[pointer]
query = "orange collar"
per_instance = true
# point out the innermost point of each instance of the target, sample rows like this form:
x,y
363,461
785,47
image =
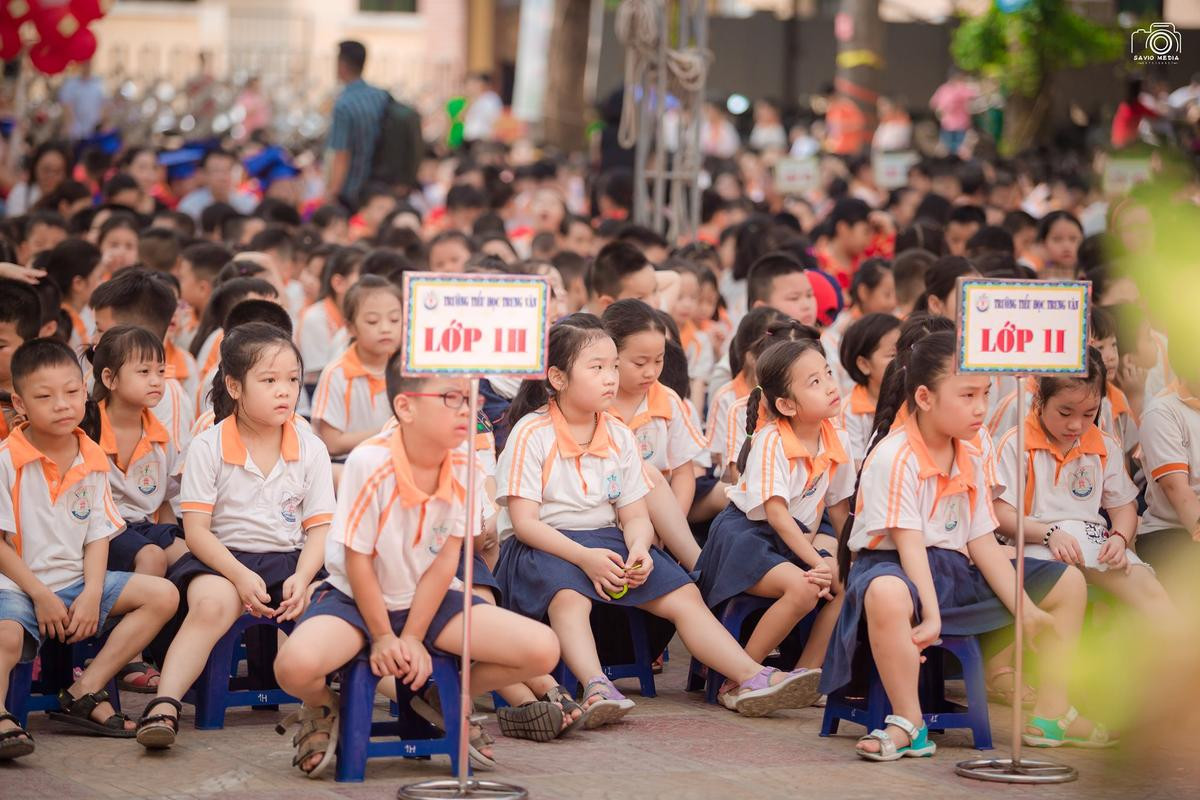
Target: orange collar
x,y
902,417
1090,443
152,433
860,401
1119,402
687,334
962,472
91,459
214,355
352,367
829,457
233,450
177,365
448,488
333,315
77,324
740,388
656,403
600,446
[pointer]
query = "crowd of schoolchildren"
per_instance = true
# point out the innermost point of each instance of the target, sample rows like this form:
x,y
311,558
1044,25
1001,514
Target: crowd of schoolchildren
x,y
205,422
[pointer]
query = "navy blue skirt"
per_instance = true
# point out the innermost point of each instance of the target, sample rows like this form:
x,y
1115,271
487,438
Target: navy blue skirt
x,y
331,601
738,553
124,547
481,575
967,604
530,578
273,568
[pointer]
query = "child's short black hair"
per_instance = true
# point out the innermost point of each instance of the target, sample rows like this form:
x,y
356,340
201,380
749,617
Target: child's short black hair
x,y
1102,324
51,219
1017,221
763,272
20,306
212,218
159,248
207,259
465,196
255,310
138,299
641,236
326,215
38,354
613,263
752,327
862,340
273,237
967,215
68,260
274,211
571,266
990,239
398,383
849,210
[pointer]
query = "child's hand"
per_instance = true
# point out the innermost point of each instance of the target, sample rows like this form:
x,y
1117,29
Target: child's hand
x,y
1065,548
420,665
388,656
604,569
52,616
1037,622
927,631
295,599
822,575
252,590
1113,553
640,567
835,587
84,616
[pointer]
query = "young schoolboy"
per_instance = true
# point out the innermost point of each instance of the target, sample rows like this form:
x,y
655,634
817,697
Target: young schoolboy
x,y
20,321
56,517
40,231
620,271
197,273
73,267
850,237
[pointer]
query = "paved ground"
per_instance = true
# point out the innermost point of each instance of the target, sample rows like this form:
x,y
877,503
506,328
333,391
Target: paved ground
x,y
673,746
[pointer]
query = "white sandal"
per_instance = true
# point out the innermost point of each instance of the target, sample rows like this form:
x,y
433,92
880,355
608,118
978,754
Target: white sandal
x,y
918,745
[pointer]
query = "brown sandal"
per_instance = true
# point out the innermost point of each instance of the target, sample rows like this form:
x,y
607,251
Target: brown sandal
x,y
158,732
321,720
15,743
77,711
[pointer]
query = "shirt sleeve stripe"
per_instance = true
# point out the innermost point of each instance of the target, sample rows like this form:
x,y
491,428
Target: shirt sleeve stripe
x,y
1167,469
202,508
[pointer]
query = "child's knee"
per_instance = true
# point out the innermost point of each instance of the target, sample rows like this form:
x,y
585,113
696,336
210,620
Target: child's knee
x,y
12,641
569,601
1073,584
543,650
296,665
151,560
888,596
210,610
157,594
800,595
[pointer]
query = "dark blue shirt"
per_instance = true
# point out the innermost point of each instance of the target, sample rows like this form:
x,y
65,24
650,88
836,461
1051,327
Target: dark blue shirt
x,y
357,114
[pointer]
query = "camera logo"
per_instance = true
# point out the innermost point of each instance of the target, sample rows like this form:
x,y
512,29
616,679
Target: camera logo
x,y
1160,44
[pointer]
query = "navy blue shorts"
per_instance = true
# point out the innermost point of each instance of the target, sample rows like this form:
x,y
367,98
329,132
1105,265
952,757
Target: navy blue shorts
x,y
273,568
124,547
481,575
738,553
332,602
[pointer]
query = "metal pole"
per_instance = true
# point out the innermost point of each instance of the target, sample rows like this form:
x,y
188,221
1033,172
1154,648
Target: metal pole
x,y
464,786
1014,769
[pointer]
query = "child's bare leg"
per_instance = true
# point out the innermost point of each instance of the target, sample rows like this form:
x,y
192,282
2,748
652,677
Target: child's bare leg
x,y
889,610
813,654
145,605
517,694
213,606
570,618
670,524
794,596
1066,602
704,637
176,551
506,648
315,649
150,560
12,639
1142,592
713,503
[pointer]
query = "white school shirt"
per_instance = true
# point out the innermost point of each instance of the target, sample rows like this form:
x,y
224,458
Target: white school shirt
x,y
176,413
779,465
857,419
701,459
51,516
578,488
209,354
350,397
718,420
182,367
831,341
1170,443
250,511
697,347
666,437
382,513
321,334
208,419
152,475
1062,488
83,327
1117,419
901,487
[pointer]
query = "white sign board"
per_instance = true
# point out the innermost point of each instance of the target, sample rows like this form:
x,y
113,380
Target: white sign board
x,y
891,169
1122,174
1023,327
797,175
475,325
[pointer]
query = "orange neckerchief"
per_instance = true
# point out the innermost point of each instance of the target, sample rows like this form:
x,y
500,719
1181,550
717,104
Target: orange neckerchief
x,y
828,458
1091,442
657,404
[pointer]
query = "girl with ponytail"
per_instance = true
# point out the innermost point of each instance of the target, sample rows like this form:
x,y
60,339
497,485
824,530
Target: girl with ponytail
x,y
794,467
927,562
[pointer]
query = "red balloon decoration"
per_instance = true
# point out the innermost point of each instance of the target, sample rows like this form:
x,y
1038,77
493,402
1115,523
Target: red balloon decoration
x,y
56,31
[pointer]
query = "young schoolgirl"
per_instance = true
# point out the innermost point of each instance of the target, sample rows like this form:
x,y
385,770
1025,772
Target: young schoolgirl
x,y
118,243
212,327
144,462
1072,471
56,517
257,499
867,348
570,474
1059,236
872,291
72,266
1116,415
922,500
350,404
795,467
696,343
321,333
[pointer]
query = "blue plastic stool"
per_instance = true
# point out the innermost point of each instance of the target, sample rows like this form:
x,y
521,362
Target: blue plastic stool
x,y
211,693
733,615
58,661
941,713
416,738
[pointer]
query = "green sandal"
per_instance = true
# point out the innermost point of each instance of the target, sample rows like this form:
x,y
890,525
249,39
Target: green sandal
x,y
1053,733
918,745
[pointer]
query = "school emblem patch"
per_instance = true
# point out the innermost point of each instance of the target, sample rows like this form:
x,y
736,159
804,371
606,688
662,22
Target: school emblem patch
x,y
613,484
1082,483
645,445
146,479
81,504
953,513
288,509
437,540
810,491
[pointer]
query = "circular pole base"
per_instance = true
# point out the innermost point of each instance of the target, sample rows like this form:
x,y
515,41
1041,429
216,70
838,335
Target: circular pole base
x,y
449,788
1026,770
